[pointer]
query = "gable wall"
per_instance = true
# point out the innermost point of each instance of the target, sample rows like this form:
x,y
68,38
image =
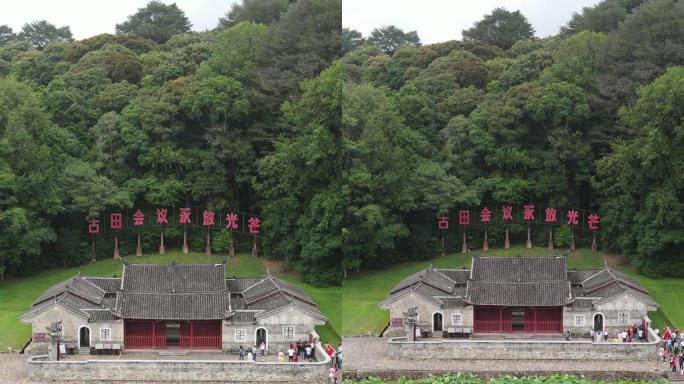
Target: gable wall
x,y
303,323
70,326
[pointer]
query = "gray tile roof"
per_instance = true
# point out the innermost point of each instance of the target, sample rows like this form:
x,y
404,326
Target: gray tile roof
x,y
518,281
174,278
439,279
107,284
172,292
173,306
532,294
459,276
519,269
240,284
242,317
452,302
582,303
100,315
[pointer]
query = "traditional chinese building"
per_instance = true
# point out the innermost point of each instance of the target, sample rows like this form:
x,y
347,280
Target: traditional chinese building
x,y
174,306
518,294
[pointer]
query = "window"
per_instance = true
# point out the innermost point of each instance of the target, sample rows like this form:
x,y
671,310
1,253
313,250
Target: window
x,y
105,334
623,318
456,318
579,320
288,332
240,335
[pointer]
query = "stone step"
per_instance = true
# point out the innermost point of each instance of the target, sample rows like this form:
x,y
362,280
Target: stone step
x,y
173,353
673,377
84,351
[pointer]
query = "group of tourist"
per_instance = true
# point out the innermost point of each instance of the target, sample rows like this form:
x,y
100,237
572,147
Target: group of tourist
x,y
252,353
335,362
671,350
298,352
633,333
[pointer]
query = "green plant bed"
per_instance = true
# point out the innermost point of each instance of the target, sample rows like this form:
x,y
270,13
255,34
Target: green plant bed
x,y
472,379
17,294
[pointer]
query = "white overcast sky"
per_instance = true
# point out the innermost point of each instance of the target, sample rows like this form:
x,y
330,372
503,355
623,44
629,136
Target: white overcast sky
x,y
442,20
435,20
91,17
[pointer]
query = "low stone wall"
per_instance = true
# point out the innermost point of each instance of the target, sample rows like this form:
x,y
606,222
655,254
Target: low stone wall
x,y
39,368
401,348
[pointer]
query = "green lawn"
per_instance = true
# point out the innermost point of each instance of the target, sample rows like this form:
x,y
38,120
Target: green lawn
x,y
17,294
362,292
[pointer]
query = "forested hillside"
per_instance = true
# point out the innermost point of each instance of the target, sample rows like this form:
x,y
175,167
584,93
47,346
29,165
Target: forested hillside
x,y
347,146
155,115
591,118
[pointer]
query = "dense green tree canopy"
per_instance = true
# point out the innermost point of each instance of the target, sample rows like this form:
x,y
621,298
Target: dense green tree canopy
x,y
347,146
40,33
156,21
501,28
389,38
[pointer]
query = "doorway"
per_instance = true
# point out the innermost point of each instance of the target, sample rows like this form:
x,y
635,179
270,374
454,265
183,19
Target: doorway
x,y
84,337
173,334
437,322
261,336
518,319
598,322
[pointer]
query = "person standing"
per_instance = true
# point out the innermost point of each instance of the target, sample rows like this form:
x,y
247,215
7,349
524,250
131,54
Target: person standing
x,y
241,351
307,352
681,363
290,354
254,352
262,347
281,356
339,356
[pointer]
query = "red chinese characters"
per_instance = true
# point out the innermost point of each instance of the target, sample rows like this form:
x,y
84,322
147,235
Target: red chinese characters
x,y
507,212
253,224
231,221
138,218
185,216
443,222
162,216
208,218
485,215
550,215
94,226
528,212
573,217
115,220
464,217
593,221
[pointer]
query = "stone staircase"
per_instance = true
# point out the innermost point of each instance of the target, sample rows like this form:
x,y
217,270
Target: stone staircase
x,y
675,377
84,351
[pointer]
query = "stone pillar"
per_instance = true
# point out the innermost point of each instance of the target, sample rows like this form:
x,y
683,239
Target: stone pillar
x,y
550,246
464,248
507,242
231,250
93,254
254,247
162,250
207,249
138,249
593,243
117,255
485,244
529,237
572,239
185,241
